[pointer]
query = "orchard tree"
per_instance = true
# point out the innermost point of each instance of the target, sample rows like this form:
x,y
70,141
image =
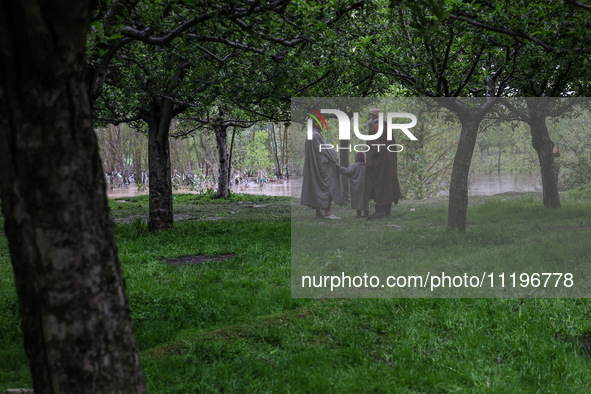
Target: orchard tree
x,y
153,85
278,67
557,38
456,48
219,121
119,23
212,39
75,316
445,60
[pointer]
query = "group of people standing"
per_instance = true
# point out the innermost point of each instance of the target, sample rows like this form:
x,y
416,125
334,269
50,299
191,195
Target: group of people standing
x,y
374,177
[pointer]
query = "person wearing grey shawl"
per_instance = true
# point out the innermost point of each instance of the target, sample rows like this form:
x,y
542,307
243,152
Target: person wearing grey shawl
x,y
381,176
356,175
321,184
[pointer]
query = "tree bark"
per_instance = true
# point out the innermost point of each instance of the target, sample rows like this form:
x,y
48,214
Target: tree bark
x,y
159,117
230,159
221,140
279,169
500,146
542,143
458,189
285,158
160,216
281,138
137,163
75,316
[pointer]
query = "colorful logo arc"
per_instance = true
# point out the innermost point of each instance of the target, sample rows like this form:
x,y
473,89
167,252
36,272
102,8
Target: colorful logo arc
x,y
315,115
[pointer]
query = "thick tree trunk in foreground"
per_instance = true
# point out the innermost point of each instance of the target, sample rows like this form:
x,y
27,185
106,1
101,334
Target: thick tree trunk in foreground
x,y
160,215
221,139
540,139
458,189
75,316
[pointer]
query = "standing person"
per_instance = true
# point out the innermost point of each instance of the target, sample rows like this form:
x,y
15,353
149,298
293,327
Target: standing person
x,y
381,177
322,183
356,175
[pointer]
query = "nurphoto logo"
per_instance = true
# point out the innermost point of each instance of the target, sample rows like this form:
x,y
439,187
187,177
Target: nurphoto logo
x,y
345,129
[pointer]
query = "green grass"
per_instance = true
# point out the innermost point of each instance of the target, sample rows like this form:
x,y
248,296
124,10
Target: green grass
x,y
233,326
506,233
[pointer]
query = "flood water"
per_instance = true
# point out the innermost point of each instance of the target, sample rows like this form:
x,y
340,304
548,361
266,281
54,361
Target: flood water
x,y
486,184
280,188
478,185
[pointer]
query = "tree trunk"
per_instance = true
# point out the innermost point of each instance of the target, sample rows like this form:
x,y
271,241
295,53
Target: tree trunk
x,y
159,117
283,169
160,215
500,152
284,150
230,159
543,145
75,315
276,151
221,140
137,163
458,189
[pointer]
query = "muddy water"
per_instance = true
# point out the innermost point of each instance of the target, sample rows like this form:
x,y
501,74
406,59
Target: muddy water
x,y
478,185
281,188
486,185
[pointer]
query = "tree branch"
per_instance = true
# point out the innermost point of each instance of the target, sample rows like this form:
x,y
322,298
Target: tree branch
x,y
517,34
469,74
579,4
143,35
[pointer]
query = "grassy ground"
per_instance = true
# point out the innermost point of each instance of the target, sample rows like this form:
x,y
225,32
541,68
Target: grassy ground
x,y
510,233
233,326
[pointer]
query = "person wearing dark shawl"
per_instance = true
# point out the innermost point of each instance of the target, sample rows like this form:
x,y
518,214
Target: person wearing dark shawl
x,y
356,175
322,183
381,175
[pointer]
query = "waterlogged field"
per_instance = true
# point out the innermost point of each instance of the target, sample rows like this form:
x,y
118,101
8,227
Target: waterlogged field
x,y
231,324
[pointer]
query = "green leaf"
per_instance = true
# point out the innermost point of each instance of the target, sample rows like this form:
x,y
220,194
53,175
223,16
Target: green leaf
x,y
99,27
